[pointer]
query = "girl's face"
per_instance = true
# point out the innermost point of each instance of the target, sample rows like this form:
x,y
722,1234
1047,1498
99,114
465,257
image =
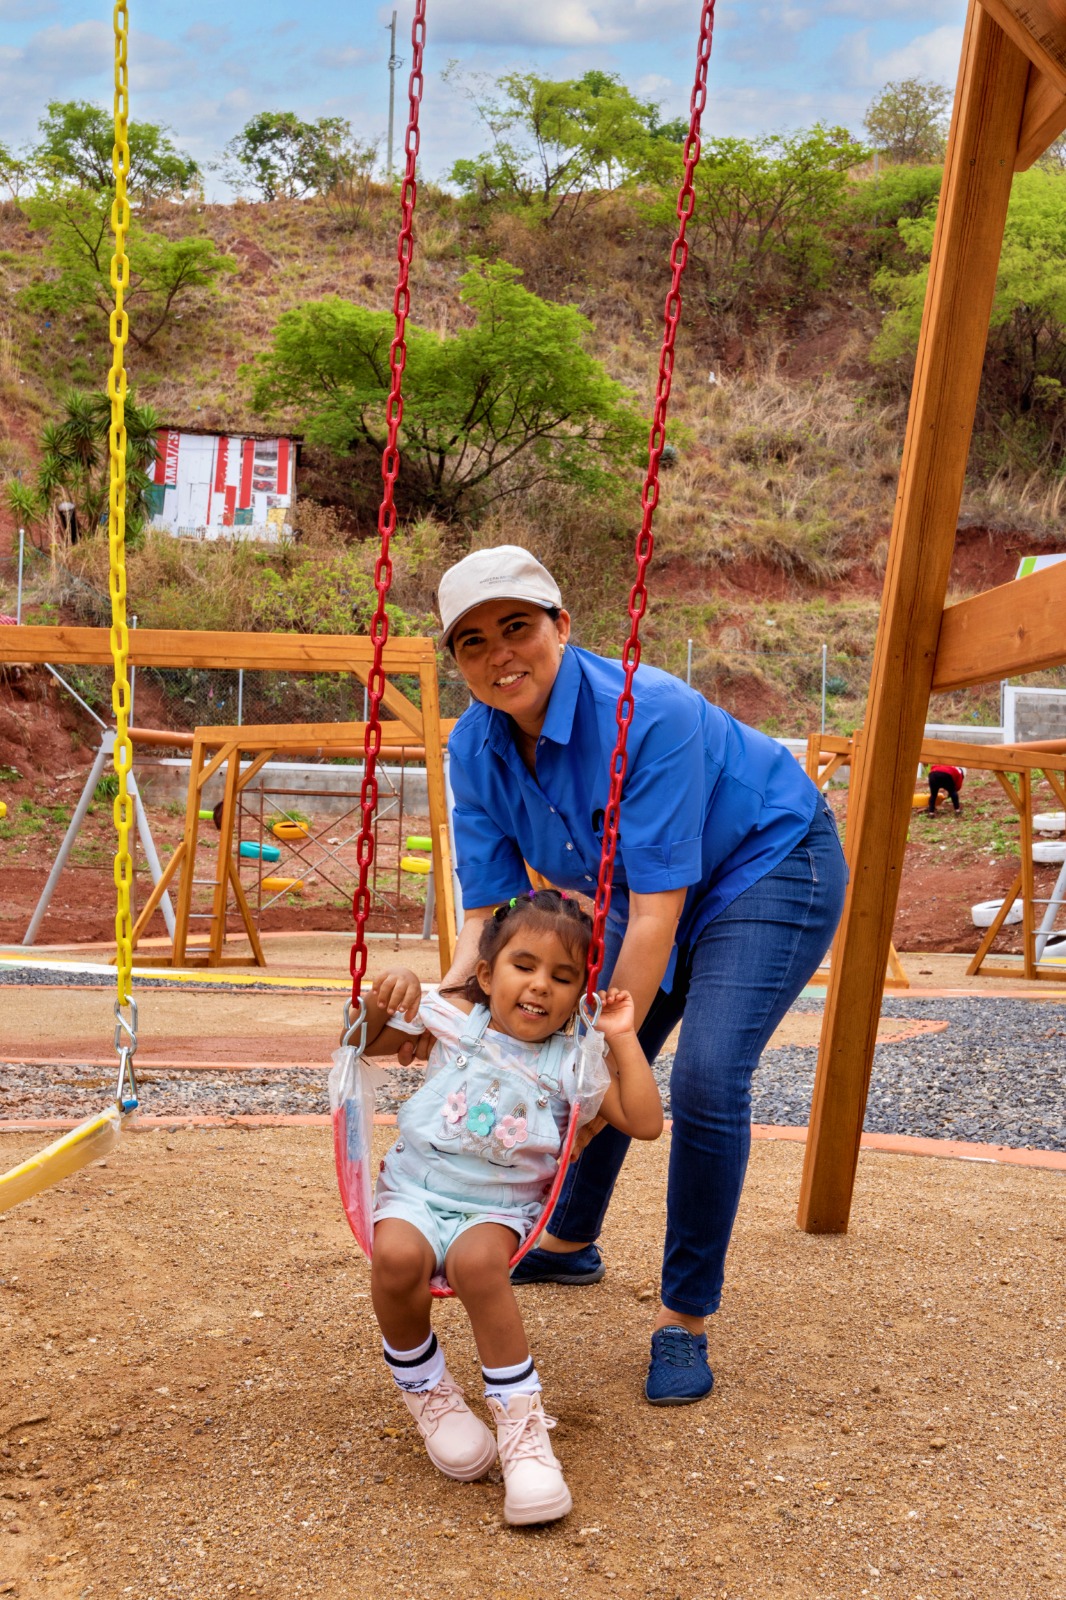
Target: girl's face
x,y
534,985
508,651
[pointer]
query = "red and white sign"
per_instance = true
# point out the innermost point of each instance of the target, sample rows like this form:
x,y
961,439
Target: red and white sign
x,y
213,482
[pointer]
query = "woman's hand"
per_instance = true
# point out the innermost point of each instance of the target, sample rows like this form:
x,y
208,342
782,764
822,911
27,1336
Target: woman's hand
x,y
585,1134
617,1014
398,989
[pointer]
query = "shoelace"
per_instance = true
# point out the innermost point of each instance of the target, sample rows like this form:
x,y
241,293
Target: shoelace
x,y
440,1400
523,1438
677,1347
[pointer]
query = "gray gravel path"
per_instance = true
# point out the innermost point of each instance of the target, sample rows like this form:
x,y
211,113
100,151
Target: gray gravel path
x,y
996,1076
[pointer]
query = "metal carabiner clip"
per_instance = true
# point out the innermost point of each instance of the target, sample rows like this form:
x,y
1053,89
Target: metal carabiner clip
x,y
354,1033
583,1012
126,1045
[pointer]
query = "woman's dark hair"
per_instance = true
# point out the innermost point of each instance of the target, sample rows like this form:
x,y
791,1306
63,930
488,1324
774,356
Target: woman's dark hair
x,y
538,909
552,611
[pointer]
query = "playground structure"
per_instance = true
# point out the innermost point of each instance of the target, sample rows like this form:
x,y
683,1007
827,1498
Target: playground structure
x,y
1010,104
220,750
1028,765
412,726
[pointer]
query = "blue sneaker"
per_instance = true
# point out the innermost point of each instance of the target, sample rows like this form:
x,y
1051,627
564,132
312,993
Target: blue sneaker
x,y
678,1373
558,1266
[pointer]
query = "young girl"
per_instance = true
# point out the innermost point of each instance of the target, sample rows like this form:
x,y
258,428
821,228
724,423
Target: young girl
x,y
467,1178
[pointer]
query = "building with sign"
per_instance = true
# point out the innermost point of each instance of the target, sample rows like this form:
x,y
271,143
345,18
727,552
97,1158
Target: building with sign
x,y
223,486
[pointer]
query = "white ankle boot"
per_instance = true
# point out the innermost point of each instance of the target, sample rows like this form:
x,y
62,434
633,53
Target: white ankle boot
x,y
457,1442
535,1487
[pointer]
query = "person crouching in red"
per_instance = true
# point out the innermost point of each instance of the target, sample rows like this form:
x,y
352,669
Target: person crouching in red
x,y
944,776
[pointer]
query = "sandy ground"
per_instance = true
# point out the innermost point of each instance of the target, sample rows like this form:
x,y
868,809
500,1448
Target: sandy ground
x,y
192,1402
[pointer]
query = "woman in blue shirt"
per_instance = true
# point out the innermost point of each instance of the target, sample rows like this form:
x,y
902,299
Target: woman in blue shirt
x,y
729,883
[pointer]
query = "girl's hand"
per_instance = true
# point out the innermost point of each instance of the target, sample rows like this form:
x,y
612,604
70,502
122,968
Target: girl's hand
x,y
398,990
618,1014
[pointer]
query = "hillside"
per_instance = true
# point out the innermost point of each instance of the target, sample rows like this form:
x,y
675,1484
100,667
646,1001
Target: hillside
x,y
772,529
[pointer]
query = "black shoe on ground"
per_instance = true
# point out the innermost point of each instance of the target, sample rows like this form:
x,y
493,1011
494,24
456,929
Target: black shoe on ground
x,y
560,1266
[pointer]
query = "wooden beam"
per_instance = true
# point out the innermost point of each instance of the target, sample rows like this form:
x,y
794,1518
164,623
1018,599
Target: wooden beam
x,y
1018,627
393,700
993,928
255,652
991,757
1038,28
977,177
1043,119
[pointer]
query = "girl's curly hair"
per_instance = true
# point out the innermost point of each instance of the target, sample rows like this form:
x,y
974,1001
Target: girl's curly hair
x,y
539,909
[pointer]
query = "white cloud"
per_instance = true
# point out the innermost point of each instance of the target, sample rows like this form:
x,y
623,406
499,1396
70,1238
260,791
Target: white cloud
x,y
561,23
341,58
932,55
880,10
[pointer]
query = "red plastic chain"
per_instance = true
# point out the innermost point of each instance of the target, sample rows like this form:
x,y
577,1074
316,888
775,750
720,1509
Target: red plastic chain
x,y
638,595
390,466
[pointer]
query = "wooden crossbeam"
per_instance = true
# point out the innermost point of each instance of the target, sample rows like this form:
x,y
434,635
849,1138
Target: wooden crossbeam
x,y
1038,28
1043,119
180,647
1018,627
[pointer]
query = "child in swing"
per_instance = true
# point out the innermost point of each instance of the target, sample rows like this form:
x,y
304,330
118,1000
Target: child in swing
x,y
466,1180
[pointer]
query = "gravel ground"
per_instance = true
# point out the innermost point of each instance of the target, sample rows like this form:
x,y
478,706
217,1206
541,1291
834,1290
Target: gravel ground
x,y
995,1076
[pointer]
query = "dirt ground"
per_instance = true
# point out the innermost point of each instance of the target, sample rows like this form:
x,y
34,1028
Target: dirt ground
x,y
192,1400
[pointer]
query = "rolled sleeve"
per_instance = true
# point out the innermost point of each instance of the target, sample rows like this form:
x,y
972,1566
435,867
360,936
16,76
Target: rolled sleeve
x,y
664,803
488,861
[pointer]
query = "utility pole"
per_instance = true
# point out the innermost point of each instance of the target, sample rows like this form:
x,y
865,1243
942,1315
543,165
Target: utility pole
x,y
394,64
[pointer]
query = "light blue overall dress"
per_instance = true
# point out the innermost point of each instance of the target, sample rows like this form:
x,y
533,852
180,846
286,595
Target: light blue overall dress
x,y
480,1140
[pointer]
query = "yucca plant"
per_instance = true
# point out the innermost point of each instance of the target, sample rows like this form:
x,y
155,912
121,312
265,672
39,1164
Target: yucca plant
x,y
75,466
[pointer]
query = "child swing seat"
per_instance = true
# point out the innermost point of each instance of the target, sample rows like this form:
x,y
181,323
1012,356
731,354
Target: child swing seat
x,y
353,1081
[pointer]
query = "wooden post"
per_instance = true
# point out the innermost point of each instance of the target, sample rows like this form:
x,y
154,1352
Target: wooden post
x,y
438,813
220,898
1025,816
981,152
188,846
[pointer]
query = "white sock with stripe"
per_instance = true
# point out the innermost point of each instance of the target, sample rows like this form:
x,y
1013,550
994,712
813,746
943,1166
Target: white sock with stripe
x,y
502,1382
416,1370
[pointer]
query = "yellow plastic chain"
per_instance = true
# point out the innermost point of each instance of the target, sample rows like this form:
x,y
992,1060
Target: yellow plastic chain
x,y
116,526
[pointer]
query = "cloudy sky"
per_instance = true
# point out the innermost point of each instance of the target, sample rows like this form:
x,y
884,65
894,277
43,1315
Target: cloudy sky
x,y
205,66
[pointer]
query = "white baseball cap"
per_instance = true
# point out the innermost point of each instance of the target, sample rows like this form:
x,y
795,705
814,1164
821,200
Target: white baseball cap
x,y
505,573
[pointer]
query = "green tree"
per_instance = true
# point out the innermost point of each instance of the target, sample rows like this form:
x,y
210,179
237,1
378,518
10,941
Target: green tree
x,y
512,401
1025,367
348,181
759,230
331,595
875,206
557,145
76,145
16,171
166,275
75,465
282,158
907,121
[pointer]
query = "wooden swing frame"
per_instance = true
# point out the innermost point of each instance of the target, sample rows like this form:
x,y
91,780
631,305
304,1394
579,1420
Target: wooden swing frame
x,y
1010,104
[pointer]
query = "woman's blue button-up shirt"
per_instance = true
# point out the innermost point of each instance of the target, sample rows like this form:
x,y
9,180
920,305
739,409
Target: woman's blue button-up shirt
x,y
708,805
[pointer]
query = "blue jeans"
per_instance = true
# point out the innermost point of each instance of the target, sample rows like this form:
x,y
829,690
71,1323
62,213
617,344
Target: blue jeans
x,y
732,986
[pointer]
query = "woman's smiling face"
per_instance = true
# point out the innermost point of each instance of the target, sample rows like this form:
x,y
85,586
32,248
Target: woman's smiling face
x,y
508,651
